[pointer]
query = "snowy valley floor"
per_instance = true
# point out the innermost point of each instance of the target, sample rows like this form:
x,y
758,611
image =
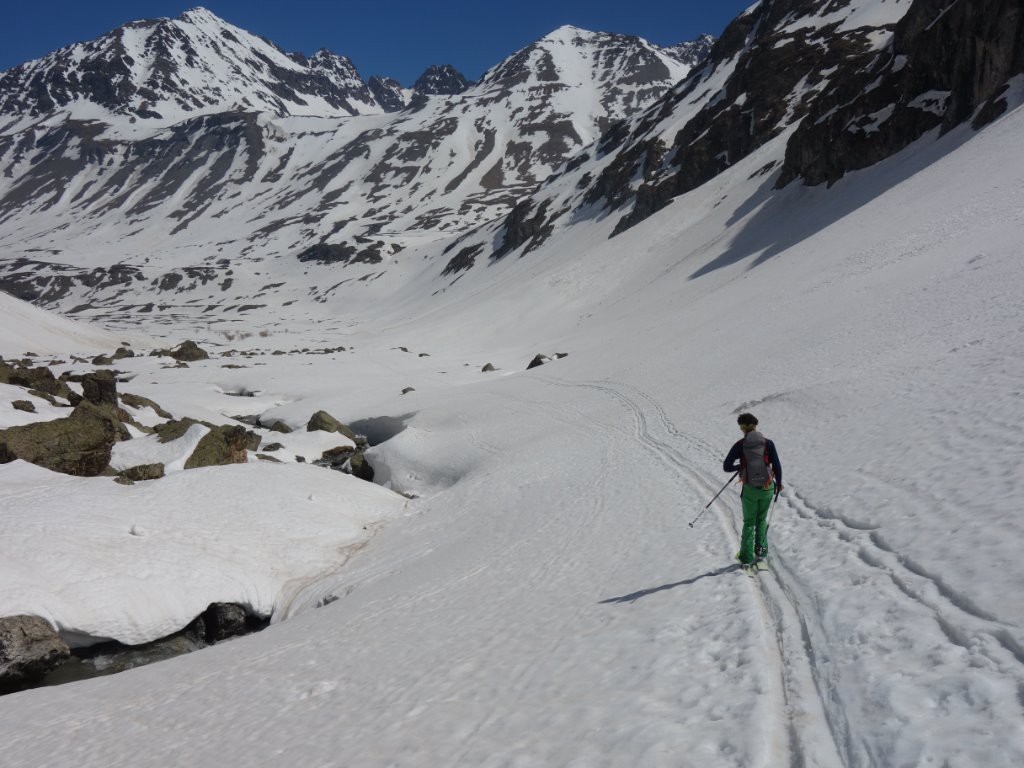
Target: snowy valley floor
x,y
543,602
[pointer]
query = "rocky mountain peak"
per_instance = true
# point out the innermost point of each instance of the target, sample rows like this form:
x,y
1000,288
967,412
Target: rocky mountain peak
x,y
165,70
693,52
441,80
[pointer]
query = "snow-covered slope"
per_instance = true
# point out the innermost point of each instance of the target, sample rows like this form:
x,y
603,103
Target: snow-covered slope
x,y
26,328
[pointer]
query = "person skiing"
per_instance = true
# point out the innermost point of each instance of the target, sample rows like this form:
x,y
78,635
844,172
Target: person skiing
x,y
757,461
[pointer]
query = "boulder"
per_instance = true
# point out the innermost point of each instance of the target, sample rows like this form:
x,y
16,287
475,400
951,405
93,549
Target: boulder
x,y
280,427
40,378
222,445
488,368
407,390
122,353
189,352
23,405
100,388
322,421
29,648
142,472
361,468
102,360
224,620
79,445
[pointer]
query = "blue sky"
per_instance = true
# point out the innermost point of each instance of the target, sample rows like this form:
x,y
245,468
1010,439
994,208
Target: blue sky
x,y
398,38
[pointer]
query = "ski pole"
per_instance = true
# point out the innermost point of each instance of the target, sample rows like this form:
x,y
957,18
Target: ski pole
x,y
716,496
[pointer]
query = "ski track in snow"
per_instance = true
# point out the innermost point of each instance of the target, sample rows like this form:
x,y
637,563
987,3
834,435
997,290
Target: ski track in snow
x,y
798,696
803,647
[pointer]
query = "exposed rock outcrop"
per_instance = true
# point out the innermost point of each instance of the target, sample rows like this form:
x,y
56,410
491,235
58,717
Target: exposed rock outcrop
x,y
80,444
29,648
222,445
948,63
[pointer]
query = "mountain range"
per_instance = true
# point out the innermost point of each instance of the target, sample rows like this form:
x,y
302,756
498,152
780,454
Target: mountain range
x,y
202,147
184,168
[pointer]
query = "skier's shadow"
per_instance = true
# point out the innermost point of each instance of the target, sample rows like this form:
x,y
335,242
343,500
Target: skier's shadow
x,y
632,598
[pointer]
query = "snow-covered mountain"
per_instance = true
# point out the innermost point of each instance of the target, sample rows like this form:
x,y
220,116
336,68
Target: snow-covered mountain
x,y
92,212
163,71
834,87
555,586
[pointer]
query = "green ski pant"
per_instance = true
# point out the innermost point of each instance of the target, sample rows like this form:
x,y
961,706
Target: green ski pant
x,y
754,540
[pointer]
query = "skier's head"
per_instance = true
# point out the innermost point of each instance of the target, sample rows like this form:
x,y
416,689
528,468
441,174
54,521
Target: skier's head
x,y
747,422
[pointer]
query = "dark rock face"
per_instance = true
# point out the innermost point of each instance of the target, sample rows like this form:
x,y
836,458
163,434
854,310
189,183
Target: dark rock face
x,y
80,444
29,648
521,228
342,253
694,52
388,93
537,361
443,80
947,63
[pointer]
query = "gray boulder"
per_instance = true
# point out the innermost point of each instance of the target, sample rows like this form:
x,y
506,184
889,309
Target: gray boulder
x,y
80,444
142,472
29,648
222,445
23,405
189,352
323,421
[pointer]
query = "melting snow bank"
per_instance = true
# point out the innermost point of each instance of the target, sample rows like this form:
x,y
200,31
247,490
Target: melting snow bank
x,y
102,561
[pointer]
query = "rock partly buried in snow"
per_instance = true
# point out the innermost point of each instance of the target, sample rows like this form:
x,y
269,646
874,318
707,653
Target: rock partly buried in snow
x,y
488,368
224,620
537,361
361,467
189,352
221,446
80,444
136,401
23,405
407,390
40,379
122,353
29,648
322,421
280,427
102,360
142,472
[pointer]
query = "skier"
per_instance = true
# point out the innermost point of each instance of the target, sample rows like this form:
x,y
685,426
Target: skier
x,y
760,472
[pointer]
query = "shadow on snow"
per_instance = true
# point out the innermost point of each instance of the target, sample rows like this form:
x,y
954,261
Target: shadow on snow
x,y
632,598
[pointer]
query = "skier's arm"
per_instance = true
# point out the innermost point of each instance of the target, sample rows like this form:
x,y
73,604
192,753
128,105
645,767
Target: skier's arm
x,y
732,461
773,456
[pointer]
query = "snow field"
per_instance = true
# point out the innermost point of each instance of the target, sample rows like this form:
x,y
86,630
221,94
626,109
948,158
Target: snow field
x,y
544,602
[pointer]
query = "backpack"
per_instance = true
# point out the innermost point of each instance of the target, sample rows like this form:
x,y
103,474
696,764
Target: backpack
x,y
755,465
